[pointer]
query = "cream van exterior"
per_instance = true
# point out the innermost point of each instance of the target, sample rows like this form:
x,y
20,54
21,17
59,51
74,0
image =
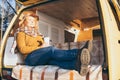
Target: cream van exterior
x,y
105,19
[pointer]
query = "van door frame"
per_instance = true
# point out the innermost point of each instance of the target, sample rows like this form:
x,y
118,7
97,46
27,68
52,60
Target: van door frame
x,y
111,37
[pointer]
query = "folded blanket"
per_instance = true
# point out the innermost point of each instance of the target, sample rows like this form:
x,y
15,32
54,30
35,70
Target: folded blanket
x,y
49,72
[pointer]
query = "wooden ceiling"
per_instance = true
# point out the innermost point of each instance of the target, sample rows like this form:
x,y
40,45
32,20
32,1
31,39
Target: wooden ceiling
x,y
69,10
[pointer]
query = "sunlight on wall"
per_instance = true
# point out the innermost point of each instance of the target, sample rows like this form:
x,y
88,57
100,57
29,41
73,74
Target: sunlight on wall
x,y
85,35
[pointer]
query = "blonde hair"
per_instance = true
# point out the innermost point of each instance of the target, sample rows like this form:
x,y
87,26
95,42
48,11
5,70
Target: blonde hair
x,y
23,18
22,26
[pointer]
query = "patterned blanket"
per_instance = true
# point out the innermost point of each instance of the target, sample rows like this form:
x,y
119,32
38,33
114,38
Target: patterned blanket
x,y
48,72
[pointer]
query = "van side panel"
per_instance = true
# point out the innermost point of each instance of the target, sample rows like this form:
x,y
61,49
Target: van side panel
x,y
111,38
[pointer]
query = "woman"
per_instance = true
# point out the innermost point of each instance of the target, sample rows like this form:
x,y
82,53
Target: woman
x,y
30,43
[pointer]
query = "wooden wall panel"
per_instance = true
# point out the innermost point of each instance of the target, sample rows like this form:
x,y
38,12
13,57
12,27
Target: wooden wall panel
x,y
90,22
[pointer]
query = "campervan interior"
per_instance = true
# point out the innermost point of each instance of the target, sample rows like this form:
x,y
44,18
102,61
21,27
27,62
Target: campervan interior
x,y
65,22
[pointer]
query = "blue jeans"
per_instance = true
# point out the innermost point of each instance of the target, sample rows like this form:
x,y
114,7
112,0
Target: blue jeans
x,y
52,56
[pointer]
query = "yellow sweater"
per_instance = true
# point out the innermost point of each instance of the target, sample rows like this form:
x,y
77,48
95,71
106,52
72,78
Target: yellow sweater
x,y
26,44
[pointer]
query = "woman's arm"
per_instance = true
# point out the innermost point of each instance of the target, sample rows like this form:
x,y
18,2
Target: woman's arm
x,y
23,48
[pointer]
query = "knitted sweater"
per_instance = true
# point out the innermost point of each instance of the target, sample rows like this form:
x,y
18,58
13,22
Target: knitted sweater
x,y
26,44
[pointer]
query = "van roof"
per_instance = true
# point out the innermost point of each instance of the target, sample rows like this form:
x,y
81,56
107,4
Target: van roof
x,y
71,12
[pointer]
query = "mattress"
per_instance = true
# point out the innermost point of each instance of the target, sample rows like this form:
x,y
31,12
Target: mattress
x,y
49,72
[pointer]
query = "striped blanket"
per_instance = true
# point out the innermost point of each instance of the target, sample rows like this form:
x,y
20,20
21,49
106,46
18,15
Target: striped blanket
x,y
48,72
